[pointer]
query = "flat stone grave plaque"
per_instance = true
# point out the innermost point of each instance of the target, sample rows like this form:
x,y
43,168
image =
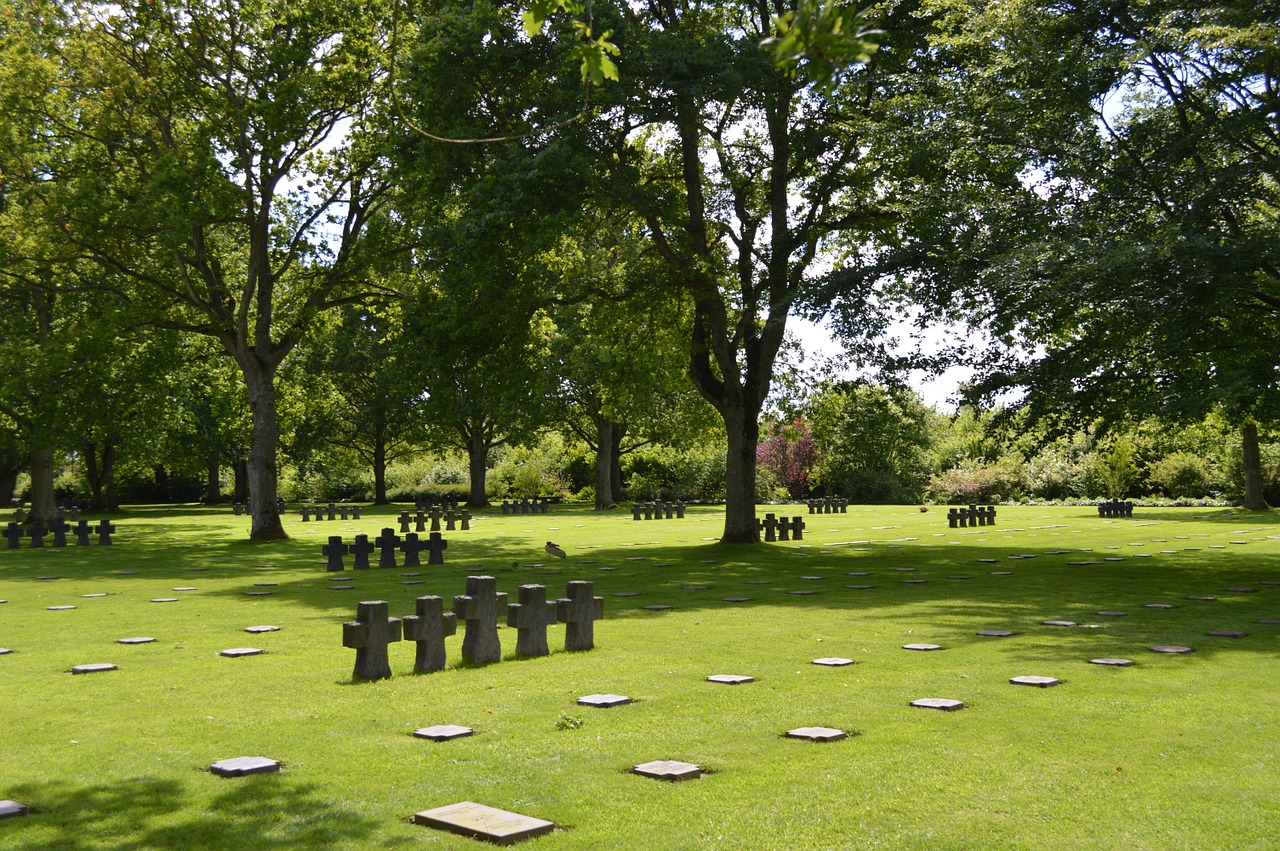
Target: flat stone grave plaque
x,y
627,594
668,769
635,558
126,573
756,582
695,587
1203,599
92,596
5,651
341,587
802,593
255,630
922,647
244,765
413,582
995,633
185,588
946,704
257,593
1113,663
164,599
905,569
412,573
1002,573
197,569
1142,555
1113,614
817,734
1225,633
1217,546
730,679
480,822
1081,563
237,652
142,639
58,608
1159,606
657,608
859,587
1243,590
1041,682
604,701
95,668
833,661
914,581
1171,648
443,732
857,573
735,599
986,561
47,578
959,577
812,578
12,809
262,585
1058,623
1113,558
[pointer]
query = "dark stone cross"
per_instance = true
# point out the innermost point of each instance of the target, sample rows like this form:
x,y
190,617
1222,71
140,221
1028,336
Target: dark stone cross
x,y
335,550
13,532
669,509
411,546
420,521
770,526
369,634
60,528
343,511
531,617
428,628
784,529
579,610
435,548
37,534
332,516
797,528
404,521
306,514
506,507
479,608
435,518
680,510
635,511
450,521
361,549
355,512
239,508
648,511
83,530
388,542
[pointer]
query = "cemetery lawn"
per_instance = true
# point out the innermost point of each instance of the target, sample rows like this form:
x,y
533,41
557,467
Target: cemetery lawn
x,y
1177,751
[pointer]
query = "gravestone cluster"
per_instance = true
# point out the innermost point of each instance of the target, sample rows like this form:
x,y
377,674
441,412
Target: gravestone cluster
x,y
972,516
781,528
829,505
15,532
333,511
526,506
387,544
479,610
1115,508
657,510
451,517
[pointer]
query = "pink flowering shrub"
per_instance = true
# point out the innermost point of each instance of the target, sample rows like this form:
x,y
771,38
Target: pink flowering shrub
x,y
788,453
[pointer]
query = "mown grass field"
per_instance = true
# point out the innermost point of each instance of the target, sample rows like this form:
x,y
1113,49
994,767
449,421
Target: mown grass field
x,y
1174,752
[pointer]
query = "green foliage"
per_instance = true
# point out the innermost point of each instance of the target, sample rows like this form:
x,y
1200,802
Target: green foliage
x,y
823,41
568,722
977,482
531,470
1116,469
693,474
1182,474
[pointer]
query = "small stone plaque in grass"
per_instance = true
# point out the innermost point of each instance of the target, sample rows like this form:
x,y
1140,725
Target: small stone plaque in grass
x,y
604,701
92,596
244,765
833,661
1269,622
1002,573
736,599
443,732
695,587
5,651
480,822
412,573
627,594
257,593
1041,682
1159,606
1113,558
812,578
1113,614
756,582
986,561
185,588
1203,599
255,630
905,569
341,587
959,577
237,652
95,668
1058,623
817,734
197,569
47,578
914,581
668,769
59,608
859,587
995,633
263,585
802,593
922,647
12,809
164,599
657,608
857,573
1112,663
1225,633
141,639
126,573
1171,648
946,704
730,679
1242,590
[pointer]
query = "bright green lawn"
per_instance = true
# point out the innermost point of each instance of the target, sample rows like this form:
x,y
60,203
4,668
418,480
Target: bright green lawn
x,y
1175,752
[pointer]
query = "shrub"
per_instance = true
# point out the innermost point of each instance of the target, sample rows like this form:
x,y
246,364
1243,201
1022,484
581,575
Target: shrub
x,y
1182,474
977,483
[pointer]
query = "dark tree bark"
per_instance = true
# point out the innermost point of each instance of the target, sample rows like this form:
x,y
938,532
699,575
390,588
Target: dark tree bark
x,y
478,466
615,460
379,469
240,479
213,478
265,514
100,471
604,465
43,508
1253,498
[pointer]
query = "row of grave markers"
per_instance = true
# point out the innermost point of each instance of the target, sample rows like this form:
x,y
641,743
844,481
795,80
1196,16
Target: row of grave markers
x,y
526,506
387,544
331,512
14,533
240,508
450,517
1115,508
973,516
781,529
829,505
373,630
656,510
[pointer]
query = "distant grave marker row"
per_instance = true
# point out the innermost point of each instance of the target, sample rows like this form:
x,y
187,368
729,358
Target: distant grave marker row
x,y
450,517
331,512
781,529
14,533
1115,508
973,516
829,505
526,506
387,544
657,510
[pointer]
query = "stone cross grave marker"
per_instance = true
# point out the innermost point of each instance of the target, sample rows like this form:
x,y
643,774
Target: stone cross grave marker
x,y
361,550
369,634
465,518
411,546
579,610
59,528
770,526
14,534
784,528
104,530
797,528
344,511
450,521
480,822
479,609
531,616
37,533
435,518
635,511
404,522
388,542
334,550
428,627
332,515
83,530
435,548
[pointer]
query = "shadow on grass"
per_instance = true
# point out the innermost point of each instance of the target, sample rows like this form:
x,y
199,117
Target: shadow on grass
x,y
259,812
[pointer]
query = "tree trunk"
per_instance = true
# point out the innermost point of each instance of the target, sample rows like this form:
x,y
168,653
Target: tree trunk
x,y
240,478
90,455
604,465
8,483
266,525
213,478
1253,498
379,470
42,503
477,462
615,460
743,430
107,478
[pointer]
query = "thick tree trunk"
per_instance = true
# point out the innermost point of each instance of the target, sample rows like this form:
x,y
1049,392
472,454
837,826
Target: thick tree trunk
x,y
743,430
1253,498
42,502
477,462
8,483
266,525
240,478
615,460
604,465
101,475
213,478
90,455
379,471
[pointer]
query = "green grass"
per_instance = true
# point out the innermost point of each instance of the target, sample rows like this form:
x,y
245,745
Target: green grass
x,y
1175,752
